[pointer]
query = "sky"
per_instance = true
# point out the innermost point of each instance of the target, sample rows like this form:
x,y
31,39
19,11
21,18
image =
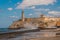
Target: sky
x,y
10,10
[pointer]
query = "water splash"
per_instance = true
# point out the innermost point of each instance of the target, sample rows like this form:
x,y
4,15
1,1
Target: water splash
x,y
30,26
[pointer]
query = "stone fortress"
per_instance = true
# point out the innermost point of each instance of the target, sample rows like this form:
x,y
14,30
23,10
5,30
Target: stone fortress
x,y
40,22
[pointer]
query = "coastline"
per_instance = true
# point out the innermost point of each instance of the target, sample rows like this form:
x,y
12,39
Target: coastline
x,y
20,33
16,33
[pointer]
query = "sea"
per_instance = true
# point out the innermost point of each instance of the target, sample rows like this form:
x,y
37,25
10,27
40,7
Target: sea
x,y
4,30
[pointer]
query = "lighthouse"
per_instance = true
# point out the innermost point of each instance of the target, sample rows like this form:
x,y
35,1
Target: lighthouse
x,y
22,16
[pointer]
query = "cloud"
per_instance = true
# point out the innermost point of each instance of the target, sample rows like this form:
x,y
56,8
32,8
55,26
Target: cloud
x,y
42,9
30,14
33,7
50,15
27,3
10,9
18,2
56,13
37,14
58,7
13,16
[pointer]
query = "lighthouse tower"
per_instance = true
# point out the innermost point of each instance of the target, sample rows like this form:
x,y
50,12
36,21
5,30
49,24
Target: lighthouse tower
x,y
22,15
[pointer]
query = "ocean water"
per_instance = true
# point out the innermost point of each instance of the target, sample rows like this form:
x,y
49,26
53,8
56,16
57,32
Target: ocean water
x,y
5,30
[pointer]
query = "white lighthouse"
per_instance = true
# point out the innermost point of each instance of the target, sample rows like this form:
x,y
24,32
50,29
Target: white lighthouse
x,y
22,15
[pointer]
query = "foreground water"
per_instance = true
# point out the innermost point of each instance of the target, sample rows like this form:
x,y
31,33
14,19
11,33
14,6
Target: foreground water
x,y
41,35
